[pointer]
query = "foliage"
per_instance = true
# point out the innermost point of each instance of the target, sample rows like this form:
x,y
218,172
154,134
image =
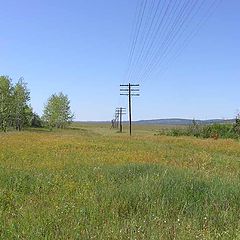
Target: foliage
x,y
57,111
15,110
6,99
22,113
236,126
36,121
206,131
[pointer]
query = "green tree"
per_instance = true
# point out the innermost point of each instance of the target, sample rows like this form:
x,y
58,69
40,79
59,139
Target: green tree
x,y
236,126
57,111
36,121
22,112
6,90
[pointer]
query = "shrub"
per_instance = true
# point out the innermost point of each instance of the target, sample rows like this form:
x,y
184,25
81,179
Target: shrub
x,y
215,130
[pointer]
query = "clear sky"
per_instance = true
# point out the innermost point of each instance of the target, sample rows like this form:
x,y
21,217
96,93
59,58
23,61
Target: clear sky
x,y
81,48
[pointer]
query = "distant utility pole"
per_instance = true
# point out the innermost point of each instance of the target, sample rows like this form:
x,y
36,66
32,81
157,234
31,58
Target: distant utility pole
x,y
120,112
130,90
116,119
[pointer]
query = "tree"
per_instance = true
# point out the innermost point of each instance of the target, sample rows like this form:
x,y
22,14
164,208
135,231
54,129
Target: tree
x,y
236,126
36,121
22,112
57,111
6,90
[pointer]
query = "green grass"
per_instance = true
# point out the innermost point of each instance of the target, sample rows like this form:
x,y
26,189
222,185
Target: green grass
x,y
93,183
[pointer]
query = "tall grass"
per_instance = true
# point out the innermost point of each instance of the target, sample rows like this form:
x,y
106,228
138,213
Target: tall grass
x,y
81,185
117,202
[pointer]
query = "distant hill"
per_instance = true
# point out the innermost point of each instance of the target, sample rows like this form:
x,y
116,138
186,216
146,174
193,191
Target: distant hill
x,y
182,121
167,121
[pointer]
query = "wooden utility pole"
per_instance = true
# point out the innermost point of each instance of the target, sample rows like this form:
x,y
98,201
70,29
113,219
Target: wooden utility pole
x,y
130,108
116,119
130,90
120,112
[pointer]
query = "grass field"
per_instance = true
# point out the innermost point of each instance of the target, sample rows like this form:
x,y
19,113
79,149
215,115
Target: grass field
x,y
91,182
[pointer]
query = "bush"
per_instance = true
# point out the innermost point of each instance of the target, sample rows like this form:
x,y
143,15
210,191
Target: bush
x,y
218,130
215,130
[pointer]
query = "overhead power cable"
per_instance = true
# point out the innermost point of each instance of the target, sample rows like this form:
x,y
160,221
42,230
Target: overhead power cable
x,y
163,29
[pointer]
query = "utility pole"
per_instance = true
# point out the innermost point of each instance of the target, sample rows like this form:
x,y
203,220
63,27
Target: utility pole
x,y
130,90
116,119
120,112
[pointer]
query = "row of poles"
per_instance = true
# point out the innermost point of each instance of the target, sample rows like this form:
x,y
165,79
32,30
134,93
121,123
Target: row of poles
x,y
129,90
118,120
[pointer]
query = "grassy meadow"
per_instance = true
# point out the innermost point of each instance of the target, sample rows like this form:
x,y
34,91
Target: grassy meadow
x,y
90,182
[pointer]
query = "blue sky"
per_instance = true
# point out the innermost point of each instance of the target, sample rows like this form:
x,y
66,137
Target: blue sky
x,y
81,48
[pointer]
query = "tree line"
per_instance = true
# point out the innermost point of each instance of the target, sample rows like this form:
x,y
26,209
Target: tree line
x,y
16,111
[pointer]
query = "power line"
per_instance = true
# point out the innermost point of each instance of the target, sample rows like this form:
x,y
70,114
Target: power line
x,y
175,29
153,37
151,21
182,44
163,28
171,29
191,35
137,31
